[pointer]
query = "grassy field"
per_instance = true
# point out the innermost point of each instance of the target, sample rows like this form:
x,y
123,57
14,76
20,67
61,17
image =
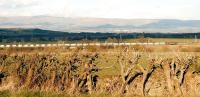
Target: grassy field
x,y
134,71
178,40
135,40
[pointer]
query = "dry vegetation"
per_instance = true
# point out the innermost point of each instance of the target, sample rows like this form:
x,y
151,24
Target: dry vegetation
x,y
100,72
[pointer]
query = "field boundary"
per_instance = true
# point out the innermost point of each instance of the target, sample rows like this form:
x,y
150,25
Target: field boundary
x,y
85,44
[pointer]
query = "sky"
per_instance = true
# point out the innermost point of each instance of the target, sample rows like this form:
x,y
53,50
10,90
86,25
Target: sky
x,y
127,9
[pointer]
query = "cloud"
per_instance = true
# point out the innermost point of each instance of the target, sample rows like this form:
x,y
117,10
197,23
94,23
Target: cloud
x,y
33,7
178,9
12,4
172,9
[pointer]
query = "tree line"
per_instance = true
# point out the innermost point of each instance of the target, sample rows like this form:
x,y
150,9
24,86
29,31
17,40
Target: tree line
x,y
39,35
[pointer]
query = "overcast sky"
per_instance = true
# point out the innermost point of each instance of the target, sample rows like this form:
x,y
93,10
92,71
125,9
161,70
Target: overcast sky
x,y
129,9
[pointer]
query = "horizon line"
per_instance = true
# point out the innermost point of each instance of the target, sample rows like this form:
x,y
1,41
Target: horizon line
x,y
98,17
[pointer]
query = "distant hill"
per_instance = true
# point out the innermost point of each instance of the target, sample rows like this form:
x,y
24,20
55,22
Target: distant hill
x,y
8,35
101,24
173,24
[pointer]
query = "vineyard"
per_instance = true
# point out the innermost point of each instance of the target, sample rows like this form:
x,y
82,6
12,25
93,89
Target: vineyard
x,y
99,73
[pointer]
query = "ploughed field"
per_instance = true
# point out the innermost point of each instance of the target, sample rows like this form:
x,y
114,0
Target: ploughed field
x,y
100,71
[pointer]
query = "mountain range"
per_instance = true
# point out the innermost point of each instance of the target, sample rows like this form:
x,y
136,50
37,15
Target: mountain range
x,y
67,24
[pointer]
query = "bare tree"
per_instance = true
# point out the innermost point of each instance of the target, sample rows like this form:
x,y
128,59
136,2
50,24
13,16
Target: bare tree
x,y
128,62
175,70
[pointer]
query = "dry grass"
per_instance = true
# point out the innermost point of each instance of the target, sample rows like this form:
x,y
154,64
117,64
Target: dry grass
x,y
100,72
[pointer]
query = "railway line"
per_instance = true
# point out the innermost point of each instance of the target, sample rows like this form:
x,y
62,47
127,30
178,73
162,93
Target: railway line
x,y
29,45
